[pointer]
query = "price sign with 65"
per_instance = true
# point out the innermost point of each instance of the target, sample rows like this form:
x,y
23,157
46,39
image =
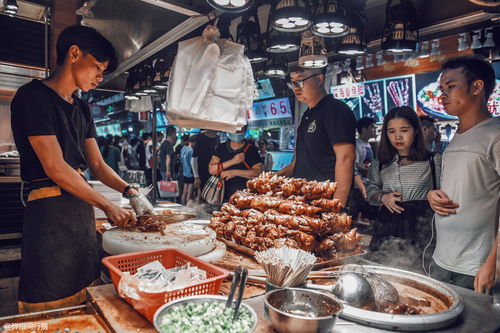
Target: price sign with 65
x,y
271,109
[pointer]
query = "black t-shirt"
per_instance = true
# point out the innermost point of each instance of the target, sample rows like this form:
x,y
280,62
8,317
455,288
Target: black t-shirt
x,y
204,149
328,123
166,148
225,153
39,110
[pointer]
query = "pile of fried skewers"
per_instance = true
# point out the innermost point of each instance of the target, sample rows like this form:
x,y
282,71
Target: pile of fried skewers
x,y
277,211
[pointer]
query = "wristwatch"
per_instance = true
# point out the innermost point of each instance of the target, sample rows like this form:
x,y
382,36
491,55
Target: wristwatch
x,y
128,188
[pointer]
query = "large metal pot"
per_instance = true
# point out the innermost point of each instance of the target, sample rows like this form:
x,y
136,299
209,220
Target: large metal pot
x,y
419,283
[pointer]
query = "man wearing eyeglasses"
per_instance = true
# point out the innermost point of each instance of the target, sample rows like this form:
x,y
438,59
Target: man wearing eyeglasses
x,y
325,148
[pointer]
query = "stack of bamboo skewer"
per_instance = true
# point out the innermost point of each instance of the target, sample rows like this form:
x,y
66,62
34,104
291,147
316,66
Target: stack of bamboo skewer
x,y
284,266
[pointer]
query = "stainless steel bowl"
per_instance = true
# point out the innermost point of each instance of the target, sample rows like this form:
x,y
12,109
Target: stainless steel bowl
x,y
295,310
199,299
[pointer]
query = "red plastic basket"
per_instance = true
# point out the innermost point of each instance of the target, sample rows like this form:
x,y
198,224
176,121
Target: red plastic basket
x,y
169,258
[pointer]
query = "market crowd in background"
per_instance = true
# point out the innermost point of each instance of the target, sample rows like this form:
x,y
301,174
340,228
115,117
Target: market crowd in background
x,y
185,158
182,157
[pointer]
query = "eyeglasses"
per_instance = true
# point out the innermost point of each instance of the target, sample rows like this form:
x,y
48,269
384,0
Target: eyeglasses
x,y
298,84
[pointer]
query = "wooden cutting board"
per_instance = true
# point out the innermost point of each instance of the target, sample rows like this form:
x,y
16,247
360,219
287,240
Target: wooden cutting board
x,y
191,238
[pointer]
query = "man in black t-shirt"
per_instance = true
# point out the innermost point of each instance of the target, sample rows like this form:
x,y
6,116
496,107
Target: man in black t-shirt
x,y
325,146
203,151
55,136
167,153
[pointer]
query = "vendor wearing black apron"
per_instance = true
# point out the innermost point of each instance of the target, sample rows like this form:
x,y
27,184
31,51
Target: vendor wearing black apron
x,y
325,148
55,135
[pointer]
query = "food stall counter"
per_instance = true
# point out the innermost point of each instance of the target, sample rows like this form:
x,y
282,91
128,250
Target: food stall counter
x,y
479,316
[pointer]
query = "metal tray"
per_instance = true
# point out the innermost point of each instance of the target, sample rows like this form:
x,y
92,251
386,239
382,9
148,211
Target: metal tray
x,y
82,318
423,286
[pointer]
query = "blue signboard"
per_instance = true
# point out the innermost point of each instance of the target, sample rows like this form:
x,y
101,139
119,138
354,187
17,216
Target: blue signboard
x,y
272,113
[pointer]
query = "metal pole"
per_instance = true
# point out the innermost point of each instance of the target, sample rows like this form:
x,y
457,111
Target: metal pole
x,y
46,51
154,157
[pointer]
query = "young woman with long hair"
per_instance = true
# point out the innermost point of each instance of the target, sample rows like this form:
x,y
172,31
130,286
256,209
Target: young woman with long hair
x,y
400,179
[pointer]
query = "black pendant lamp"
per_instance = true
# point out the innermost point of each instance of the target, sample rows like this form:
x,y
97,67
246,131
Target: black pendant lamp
x,y
147,83
139,83
131,81
331,19
352,43
161,74
277,67
248,34
231,6
291,16
400,30
11,7
312,51
280,42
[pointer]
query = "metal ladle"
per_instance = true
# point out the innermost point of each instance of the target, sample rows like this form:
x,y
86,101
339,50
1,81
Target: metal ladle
x,y
351,288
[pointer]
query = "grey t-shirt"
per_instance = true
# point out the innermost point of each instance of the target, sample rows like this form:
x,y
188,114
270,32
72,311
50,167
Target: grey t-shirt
x,y
471,178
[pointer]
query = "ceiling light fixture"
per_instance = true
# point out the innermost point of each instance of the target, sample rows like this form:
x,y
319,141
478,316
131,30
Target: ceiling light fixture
x,y
435,51
369,61
277,68
161,74
147,80
231,6
359,63
352,43
424,50
331,19
11,4
131,82
476,43
347,65
489,42
290,15
400,31
10,12
337,68
380,59
279,42
131,97
462,42
312,51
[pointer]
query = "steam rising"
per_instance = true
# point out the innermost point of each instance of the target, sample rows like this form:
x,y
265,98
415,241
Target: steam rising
x,y
398,253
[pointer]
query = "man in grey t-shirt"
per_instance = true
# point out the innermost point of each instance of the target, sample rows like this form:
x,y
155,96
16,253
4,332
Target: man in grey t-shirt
x,y
467,205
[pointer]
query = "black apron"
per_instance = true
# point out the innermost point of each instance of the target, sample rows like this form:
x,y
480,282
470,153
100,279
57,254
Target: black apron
x,y
59,248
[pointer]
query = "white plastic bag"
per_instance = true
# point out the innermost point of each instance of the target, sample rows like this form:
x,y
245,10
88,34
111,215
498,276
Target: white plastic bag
x,y
208,88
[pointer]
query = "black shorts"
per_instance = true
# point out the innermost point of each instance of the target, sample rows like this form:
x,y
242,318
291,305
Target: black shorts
x,y
188,180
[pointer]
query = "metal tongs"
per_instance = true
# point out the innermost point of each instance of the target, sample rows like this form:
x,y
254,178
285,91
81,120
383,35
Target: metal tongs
x,y
240,276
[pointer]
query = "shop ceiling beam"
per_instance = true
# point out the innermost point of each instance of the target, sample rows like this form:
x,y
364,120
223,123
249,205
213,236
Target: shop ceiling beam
x,y
159,44
170,5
